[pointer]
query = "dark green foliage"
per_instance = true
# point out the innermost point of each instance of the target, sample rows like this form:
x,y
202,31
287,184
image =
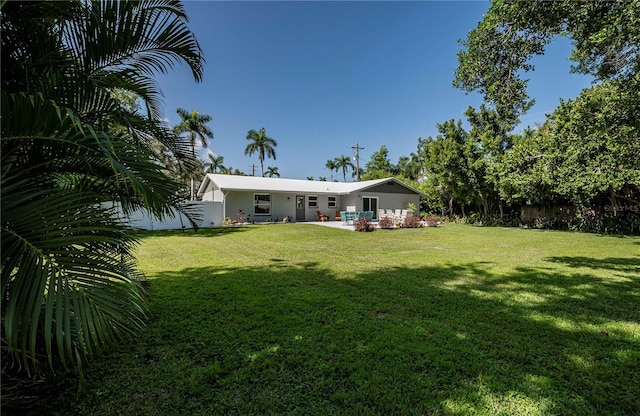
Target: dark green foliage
x,y
72,147
581,160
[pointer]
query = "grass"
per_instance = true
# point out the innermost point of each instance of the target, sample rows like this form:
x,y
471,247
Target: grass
x,y
306,320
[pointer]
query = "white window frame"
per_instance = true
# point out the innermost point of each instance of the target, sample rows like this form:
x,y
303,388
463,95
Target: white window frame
x,y
312,201
332,201
262,204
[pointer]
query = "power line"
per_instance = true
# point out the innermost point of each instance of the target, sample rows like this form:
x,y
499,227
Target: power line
x,y
357,149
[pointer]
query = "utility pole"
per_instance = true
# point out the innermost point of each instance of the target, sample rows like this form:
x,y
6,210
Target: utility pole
x,y
253,169
357,149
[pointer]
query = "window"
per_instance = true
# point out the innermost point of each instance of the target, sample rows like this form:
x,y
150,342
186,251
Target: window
x,y
331,203
262,204
312,201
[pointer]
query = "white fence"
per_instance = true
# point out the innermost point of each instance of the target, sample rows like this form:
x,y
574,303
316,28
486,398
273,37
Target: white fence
x,y
211,216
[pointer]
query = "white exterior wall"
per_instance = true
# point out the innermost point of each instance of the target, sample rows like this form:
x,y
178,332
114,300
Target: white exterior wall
x,y
282,205
323,207
208,194
140,219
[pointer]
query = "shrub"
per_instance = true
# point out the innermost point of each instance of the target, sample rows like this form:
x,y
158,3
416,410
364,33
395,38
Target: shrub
x,y
411,222
431,221
386,223
363,225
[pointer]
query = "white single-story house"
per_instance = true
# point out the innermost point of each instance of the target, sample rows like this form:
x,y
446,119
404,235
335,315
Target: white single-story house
x,y
260,198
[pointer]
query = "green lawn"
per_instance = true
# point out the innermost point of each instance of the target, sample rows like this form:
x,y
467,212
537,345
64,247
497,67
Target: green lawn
x,y
308,320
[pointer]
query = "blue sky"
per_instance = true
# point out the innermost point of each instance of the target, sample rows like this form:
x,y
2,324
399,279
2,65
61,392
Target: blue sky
x,y
321,76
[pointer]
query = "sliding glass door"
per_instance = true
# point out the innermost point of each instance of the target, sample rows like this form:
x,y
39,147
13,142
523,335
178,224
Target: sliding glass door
x,y
370,203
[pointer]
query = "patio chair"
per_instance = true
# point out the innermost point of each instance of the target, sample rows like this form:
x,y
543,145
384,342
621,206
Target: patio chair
x,y
368,215
322,217
338,217
349,217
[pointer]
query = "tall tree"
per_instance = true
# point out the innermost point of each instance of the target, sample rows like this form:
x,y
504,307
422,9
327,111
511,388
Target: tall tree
x,y
488,140
344,162
409,167
214,164
261,144
195,126
272,171
379,166
331,165
447,165
69,151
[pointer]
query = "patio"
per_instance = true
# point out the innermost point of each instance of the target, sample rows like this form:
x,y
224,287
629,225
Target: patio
x,y
331,224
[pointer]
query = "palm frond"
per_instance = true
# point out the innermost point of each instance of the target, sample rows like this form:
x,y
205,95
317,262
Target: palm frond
x,y
133,41
69,151
67,276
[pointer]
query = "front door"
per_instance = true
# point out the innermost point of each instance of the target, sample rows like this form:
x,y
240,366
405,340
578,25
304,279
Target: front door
x,y
300,212
370,203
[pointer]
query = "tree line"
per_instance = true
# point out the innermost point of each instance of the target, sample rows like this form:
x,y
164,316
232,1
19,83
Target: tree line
x,y
585,155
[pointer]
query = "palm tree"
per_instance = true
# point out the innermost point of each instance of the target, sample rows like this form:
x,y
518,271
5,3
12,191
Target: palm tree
x,y
215,163
272,171
344,162
331,165
195,125
70,151
262,144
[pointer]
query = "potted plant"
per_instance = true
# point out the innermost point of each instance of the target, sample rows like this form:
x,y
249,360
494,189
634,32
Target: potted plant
x,y
411,208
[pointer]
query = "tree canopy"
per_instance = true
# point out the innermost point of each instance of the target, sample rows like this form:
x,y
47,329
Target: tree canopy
x,y
498,52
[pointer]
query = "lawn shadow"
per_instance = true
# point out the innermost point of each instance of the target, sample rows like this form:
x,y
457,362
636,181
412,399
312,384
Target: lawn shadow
x,y
621,264
189,232
294,338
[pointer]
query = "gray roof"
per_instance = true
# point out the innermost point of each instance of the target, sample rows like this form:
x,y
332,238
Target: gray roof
x,y
260,184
